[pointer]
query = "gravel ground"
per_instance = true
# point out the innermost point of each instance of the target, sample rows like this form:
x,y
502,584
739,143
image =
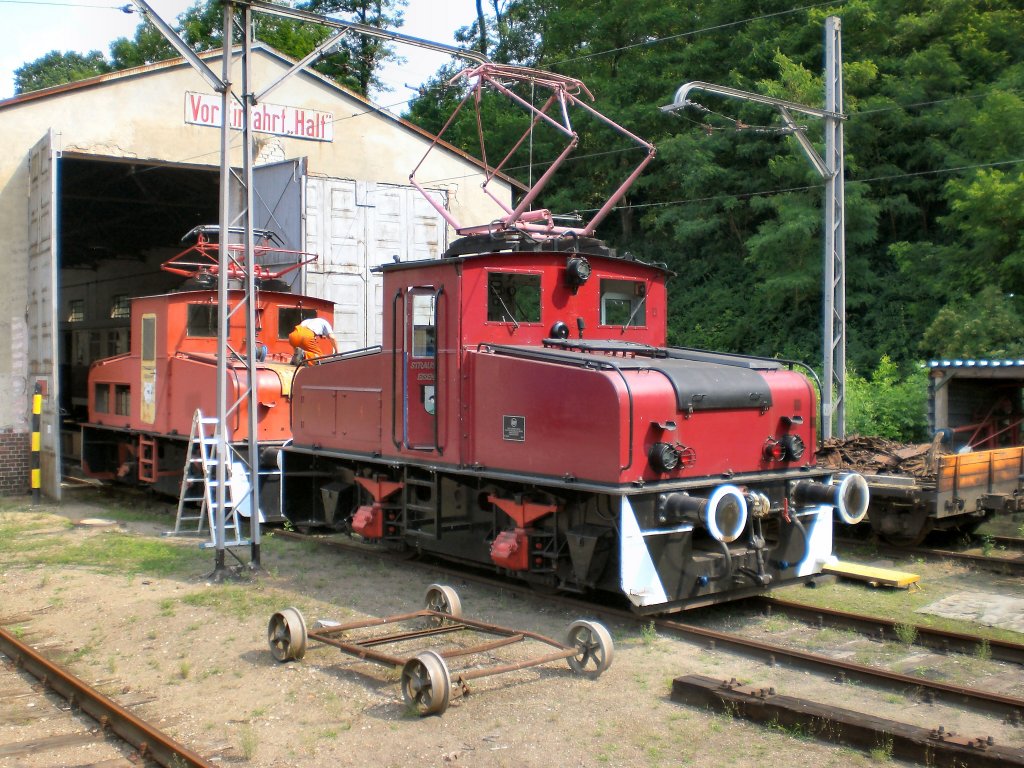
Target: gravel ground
x,y
194,653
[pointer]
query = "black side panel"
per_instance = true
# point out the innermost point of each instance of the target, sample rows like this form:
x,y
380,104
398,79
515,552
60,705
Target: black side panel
x,y
704,386
700,385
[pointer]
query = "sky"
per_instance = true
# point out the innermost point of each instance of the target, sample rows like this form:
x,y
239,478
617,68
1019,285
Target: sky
x,y
91,25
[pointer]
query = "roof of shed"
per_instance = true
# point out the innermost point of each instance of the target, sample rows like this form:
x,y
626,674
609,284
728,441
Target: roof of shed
x,y
148,69
1001,368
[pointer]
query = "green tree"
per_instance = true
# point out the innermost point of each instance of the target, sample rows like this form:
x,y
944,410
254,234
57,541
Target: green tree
x,y
56,68
146,47
358,58
933,97
986,325
354,62
888,404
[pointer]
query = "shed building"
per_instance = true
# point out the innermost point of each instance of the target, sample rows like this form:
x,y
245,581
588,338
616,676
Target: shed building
x,y
979,404
100,179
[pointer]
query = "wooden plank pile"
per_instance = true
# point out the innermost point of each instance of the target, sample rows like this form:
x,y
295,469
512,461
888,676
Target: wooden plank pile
x,y
879,456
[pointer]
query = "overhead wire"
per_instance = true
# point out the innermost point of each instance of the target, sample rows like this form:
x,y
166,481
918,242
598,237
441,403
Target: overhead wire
x,y
807,187
692,32
373,109
915,105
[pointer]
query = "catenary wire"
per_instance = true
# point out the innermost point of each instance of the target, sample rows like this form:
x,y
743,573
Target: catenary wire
x,y
667,38
804,188
715,28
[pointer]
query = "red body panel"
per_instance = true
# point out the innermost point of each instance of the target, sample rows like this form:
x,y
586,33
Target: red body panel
x,y
350,412
503,402
569,418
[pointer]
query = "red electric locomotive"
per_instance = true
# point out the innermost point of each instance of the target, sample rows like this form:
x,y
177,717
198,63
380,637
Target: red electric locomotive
x,y
142,403
525,413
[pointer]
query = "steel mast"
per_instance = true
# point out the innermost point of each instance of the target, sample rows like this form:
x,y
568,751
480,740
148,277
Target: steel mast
x,y
227,264
831,168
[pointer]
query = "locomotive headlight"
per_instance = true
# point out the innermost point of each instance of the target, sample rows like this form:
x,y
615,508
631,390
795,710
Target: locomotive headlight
x,y
850,496
786,448
577,272
795,447
663,457
723,513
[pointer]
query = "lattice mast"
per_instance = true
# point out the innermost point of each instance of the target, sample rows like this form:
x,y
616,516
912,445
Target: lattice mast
x,y
831,168
227,262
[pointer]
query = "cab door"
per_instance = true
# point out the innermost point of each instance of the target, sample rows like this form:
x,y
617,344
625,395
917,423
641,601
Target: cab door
x,y
418,394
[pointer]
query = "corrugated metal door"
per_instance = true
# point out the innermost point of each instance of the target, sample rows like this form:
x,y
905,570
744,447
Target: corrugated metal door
x,y
277,206
42,305
355,226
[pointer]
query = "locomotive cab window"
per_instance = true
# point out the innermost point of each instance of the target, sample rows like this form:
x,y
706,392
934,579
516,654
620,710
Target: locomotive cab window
x,y
289,317
148,339
102,398
423,325
513,297
122,400
202,320
623,303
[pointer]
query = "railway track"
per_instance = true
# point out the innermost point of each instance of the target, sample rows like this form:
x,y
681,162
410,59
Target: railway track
x,y
943,641
1010,708
1011,565
780,662
827,722
86,718
1009,543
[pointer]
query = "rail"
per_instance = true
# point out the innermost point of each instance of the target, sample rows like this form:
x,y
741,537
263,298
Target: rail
x,y
150,742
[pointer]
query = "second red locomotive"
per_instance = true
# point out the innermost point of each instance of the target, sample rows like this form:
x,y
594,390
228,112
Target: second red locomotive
x,y
142,402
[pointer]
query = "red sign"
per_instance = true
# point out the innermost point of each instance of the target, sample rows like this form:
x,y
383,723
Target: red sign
x,y
300,123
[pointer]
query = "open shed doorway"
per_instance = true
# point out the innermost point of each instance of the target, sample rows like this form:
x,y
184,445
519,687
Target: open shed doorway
x,y
118,221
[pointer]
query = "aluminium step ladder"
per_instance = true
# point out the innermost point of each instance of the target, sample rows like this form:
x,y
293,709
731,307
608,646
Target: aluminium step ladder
x,y
199,486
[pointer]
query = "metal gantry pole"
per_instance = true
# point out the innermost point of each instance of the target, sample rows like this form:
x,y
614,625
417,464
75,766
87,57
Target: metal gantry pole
x,y
227,264
834,310
223,318
251,353
831,169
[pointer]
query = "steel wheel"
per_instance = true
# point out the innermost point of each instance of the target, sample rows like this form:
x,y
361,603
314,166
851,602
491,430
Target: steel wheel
x,y
443,599
426,684
286,635
904,539
594,648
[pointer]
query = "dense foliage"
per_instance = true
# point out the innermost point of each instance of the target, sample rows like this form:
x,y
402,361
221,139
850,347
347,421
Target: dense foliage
x,y
56,68
934,158
886,404
353,60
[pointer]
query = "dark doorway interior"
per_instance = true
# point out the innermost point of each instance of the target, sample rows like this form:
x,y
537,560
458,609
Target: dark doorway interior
x,y
119,220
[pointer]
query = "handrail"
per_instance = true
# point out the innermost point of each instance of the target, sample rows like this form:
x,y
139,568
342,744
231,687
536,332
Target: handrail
x,y
394,363
437,369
